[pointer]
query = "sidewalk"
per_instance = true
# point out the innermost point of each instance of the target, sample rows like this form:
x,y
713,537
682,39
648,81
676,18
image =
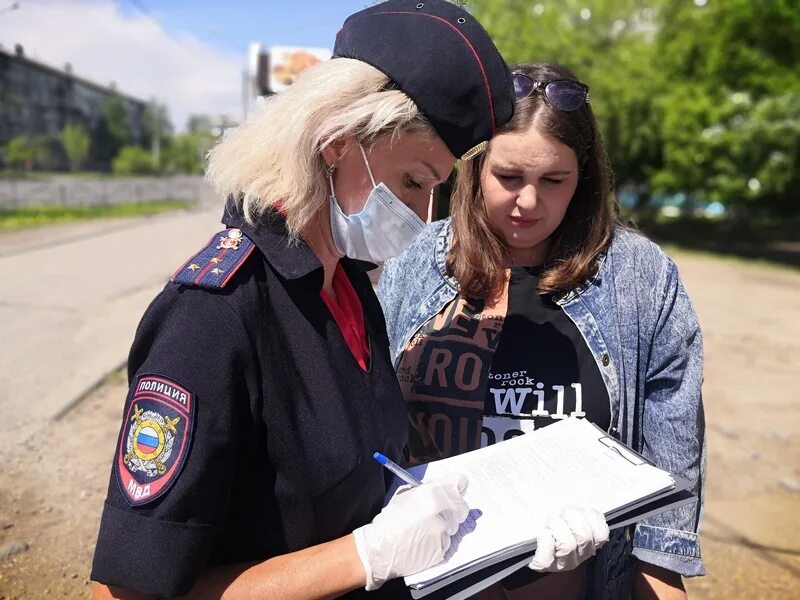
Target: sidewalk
x,y
71,300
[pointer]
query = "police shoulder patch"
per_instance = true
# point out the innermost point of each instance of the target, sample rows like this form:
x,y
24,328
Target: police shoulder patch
x,y
155,438
214,265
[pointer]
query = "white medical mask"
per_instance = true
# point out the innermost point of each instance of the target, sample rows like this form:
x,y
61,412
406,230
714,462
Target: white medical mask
x,y
381,230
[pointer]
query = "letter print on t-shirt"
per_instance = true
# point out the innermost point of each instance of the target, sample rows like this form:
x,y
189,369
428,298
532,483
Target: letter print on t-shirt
x,y
543,370
443,375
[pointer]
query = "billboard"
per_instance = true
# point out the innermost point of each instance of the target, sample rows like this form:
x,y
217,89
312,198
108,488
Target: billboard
x,y
286,62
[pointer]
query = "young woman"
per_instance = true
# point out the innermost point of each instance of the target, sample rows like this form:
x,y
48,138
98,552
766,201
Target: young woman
x,y
260,377
532,304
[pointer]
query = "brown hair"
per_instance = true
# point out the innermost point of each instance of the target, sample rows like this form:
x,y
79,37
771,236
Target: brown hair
x,y
479,256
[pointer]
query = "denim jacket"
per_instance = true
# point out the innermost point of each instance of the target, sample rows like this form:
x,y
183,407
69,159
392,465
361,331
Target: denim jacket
x,y
639,323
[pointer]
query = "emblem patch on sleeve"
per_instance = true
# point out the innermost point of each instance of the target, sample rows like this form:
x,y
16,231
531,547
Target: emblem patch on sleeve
x,y
155,438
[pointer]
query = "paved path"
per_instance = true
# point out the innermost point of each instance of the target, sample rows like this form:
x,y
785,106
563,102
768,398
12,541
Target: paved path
x,y
749,315
70,305
52,488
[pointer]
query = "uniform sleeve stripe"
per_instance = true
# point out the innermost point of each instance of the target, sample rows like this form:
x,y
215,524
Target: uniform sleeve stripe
x,y
247,254
204,271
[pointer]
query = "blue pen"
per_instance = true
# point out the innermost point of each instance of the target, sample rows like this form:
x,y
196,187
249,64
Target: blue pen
x,y
397,469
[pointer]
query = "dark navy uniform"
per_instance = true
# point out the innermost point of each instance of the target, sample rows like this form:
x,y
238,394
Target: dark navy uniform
x,y
282,421
249,425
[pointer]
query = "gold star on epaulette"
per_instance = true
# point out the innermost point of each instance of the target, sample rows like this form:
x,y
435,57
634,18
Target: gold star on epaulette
x,y
217,271
215,260
193,267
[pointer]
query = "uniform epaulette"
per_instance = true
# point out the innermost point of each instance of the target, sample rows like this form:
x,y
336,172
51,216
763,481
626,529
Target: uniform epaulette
x,y
217,262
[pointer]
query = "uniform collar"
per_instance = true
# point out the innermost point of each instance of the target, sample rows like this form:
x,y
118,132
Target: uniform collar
x,y
292,260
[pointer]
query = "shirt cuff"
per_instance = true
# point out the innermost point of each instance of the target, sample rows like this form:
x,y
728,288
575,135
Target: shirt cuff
x,y
150,556
672,549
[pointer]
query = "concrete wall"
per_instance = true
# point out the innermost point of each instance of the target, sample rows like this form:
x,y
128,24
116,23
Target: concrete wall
x,y
73,191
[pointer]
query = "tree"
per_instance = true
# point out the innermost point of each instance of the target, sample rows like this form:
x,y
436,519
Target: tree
x,y
20,153
733,149
610,46
133,160
736,44
187,152
113,130
29,152
76,143
696,97
157,130
730,120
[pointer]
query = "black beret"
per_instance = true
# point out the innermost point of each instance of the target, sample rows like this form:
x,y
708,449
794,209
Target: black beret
x,y
441,57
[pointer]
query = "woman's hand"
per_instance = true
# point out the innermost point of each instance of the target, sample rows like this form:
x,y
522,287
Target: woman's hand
x,y
413,531
569,538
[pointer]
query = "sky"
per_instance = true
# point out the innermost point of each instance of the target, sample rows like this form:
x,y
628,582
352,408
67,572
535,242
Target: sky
x,y
188,55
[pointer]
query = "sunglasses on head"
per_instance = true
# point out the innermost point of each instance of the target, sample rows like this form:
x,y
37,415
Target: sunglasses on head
x,y
564,94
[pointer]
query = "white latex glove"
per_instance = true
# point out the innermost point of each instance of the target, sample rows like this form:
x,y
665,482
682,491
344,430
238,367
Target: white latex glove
x,y
413,531
568,539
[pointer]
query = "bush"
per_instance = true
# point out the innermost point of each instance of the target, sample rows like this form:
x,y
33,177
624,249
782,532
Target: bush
x,y
75,140
25,152
133,160
186,153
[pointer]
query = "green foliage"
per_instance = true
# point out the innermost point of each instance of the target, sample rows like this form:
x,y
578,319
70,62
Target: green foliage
x,y
76,143
698,99
20,153
113,131
28,152
186,152
133,160
747,45
609,45
117,121
156,121
734,150
33,216
157,130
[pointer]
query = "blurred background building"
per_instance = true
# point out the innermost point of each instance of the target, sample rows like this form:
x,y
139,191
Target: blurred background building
x,y
40,100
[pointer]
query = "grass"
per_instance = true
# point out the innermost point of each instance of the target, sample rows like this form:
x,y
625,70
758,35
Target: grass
x,y
12,219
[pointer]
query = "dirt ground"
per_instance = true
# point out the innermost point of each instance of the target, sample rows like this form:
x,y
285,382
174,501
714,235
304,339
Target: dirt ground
x,y
52,487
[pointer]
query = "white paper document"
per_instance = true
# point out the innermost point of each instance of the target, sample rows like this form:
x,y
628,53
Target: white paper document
x,y
514,485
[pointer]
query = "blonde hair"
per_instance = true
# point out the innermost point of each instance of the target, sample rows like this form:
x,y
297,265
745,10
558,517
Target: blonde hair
x,y
275,155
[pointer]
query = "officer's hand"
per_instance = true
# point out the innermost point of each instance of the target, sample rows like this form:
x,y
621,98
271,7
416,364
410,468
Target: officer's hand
x,y
569,538
413,531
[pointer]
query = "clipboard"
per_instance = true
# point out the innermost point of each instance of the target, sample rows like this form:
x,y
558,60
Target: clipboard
x,y
467,581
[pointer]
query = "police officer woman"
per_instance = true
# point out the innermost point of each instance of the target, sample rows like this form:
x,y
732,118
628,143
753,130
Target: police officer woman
x,y
260,378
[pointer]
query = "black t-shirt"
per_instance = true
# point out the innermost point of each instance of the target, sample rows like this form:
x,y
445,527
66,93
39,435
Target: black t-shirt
x,y
542,370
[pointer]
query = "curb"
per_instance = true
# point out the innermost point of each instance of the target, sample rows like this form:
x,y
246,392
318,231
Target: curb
x,y
86,392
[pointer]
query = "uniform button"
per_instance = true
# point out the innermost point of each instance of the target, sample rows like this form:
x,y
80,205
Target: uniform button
x,y
235,234
606,360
